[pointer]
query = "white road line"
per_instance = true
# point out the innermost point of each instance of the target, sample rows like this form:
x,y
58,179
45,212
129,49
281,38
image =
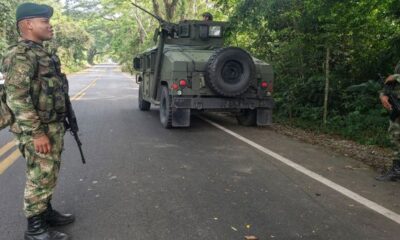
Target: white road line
x,y
346,192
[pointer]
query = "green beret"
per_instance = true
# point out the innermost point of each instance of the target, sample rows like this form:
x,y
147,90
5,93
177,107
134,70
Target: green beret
x,y
33,10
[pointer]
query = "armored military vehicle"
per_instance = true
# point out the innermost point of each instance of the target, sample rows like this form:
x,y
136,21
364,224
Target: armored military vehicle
x,y
190,70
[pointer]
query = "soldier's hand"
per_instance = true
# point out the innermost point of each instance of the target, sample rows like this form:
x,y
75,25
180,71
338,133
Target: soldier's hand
x,y
42,144
385,102
390,79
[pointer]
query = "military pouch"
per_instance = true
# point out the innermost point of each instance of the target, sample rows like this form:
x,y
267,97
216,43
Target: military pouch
x,y
46,101
45,116
6,116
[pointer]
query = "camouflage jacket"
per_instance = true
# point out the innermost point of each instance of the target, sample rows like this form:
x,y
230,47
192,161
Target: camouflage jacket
x,y
36,93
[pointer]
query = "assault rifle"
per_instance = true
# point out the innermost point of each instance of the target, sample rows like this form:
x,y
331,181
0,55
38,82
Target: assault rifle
x,y
166,30
72,125
71,122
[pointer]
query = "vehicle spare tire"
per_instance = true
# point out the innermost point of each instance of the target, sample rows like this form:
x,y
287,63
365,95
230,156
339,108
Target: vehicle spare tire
x,y
230,71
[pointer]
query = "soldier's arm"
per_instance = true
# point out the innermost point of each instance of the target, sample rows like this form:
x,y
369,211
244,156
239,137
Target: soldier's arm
x,y
384,92
392,79
18,86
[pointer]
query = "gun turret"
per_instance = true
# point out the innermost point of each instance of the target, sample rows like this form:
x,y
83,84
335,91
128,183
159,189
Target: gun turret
x,y
151,14
170,28
167,29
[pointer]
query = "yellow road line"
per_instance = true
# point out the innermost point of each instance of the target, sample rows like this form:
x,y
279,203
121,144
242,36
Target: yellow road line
x,y
83,90
76,97
81,96
7,147
9,161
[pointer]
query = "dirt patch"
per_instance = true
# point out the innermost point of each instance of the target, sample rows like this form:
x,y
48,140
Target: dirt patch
x,y
377,157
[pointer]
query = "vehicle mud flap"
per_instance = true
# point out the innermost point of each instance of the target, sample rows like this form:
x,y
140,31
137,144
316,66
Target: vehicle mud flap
x,y
181,117
264,117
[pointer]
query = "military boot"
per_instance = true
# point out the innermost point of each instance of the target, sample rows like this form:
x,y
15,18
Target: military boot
x,y
38,230
54,218
393,174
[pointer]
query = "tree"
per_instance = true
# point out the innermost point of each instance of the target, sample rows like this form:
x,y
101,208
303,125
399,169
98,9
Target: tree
x,y
311,41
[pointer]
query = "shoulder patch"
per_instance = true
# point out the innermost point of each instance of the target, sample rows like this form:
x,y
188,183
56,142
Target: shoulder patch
x,y
11,47
21,57
21,49
41,53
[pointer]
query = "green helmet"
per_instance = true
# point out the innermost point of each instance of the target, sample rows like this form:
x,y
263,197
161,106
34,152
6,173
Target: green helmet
x,y
208,15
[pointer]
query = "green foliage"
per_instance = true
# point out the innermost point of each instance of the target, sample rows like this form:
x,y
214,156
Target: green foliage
x,y
71,40
294,35
362,37
132,30
96,30
7,24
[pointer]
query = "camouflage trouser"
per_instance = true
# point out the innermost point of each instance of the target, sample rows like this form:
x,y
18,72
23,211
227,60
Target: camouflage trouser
x,y
42,170
394,132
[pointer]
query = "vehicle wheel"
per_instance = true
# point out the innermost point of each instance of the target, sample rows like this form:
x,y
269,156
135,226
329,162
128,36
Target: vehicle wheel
x,y
230,71
143,104
165,108
247,117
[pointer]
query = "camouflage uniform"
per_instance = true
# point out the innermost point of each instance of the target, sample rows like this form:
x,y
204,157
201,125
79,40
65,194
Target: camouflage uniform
x,y
394,132
394,127
37,98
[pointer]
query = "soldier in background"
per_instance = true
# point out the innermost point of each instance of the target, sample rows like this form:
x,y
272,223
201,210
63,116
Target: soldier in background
x,y
208,17
37,98
394,129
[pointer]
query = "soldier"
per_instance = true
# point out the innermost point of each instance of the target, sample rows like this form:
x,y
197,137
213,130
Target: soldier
x,y
37,96
394,129
208,17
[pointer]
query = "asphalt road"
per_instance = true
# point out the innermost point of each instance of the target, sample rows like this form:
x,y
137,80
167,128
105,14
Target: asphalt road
x,y
145,182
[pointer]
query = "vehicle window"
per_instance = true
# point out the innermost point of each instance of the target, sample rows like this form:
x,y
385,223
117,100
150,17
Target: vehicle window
x,y
215,31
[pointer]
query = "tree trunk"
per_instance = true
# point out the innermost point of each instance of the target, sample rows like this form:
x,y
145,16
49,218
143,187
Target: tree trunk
x,y
170,9
142,31
195,7
327,73
156,8
91,54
